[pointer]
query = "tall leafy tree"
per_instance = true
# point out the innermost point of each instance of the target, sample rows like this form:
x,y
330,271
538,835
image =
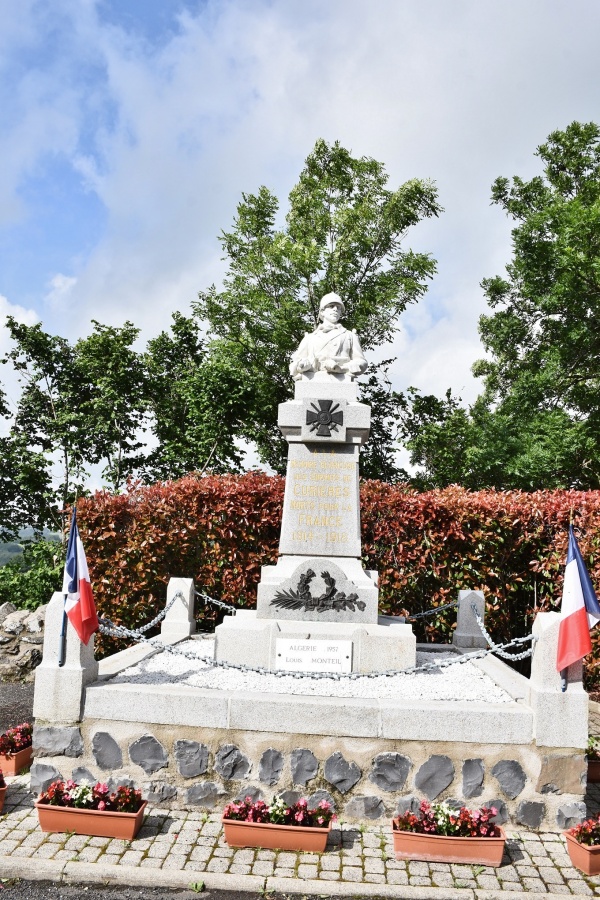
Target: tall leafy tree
x,y
197,401
25,489
80,404
543,338
343,232
114,398
49,433
537,422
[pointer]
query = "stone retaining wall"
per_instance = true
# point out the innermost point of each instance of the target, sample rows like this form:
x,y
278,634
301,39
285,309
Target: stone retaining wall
x,y
21,641
364,778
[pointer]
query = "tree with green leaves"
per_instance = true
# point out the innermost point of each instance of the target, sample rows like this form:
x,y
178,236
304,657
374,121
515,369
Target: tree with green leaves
x,y
80,404
49,431
537,422
543,338
343,232
197,403
114,399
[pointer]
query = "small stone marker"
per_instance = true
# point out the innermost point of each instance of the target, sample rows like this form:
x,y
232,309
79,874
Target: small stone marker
x,y
313,656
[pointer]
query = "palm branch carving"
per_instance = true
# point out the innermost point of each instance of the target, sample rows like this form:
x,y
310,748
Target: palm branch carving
x,y
331,599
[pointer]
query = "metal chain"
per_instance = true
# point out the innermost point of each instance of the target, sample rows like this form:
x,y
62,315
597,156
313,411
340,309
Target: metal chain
x,y
501,652
149,625
219,603
432,612
108,628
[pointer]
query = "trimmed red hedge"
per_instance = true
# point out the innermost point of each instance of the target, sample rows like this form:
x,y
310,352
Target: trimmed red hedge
x,y
426,546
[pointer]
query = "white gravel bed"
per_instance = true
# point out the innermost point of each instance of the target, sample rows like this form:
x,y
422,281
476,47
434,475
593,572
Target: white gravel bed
x,y
458,683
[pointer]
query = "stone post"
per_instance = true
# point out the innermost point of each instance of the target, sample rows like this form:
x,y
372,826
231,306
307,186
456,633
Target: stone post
x,y
59,690
467,635
560,718
180,621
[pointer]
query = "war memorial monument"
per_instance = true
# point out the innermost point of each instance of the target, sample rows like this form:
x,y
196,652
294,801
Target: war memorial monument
x,y
309,694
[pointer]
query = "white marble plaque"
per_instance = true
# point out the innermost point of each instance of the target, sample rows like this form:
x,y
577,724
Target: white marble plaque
x,y
297,655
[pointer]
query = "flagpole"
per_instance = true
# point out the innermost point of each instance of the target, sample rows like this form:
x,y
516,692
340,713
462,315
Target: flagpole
x,y
62,647
563,680
62,650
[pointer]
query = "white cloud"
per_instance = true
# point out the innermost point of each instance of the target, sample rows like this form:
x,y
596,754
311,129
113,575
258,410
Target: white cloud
x,y
61,287
8,378
168,133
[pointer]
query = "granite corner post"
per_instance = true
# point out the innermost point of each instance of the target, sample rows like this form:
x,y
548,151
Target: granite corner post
x,y
560,717
179,622
59,690
468,635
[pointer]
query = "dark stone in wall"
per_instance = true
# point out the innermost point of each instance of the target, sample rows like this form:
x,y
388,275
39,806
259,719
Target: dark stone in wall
x,y
161,791
472,774
270,766
570,814
81,775
148,753
51,740
205,793
107,752
191,758
230,762
114,783
530,813
365,808
340,773
41,776
511,777
250,790
408,804
502,810
304,766
390,771
291,797
434,776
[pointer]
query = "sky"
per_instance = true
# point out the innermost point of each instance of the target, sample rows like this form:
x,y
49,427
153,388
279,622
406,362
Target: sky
x,y
130,128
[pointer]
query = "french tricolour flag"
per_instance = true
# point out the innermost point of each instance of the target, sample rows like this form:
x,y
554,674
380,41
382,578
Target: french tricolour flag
x,y
79,601
579,610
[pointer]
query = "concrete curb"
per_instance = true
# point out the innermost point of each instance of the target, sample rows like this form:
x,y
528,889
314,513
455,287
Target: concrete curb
x,y
94,873
349,889
44,869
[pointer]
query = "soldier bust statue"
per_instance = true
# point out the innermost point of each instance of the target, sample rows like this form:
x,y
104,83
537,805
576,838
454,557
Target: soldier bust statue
x,y
331,347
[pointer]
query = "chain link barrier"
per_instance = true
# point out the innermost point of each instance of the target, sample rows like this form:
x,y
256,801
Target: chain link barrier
x,y
430,612
501,652
219,603
110,629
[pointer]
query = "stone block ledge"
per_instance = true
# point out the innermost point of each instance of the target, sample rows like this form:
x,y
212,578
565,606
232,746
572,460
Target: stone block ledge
x,y
506,723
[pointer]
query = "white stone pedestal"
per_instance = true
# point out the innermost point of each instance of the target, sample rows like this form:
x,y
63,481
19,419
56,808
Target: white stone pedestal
x,y
319,590
251,641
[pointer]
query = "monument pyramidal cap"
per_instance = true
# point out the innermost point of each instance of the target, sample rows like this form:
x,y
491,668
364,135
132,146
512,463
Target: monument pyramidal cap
x,y
317,608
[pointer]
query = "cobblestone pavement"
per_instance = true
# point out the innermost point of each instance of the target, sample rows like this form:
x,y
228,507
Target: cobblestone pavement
x,y
177,849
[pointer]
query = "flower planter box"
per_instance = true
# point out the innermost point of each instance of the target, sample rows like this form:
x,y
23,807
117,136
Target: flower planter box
x,y
483,851
2,795
95,822
593,771
16,762
583,857
275,837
